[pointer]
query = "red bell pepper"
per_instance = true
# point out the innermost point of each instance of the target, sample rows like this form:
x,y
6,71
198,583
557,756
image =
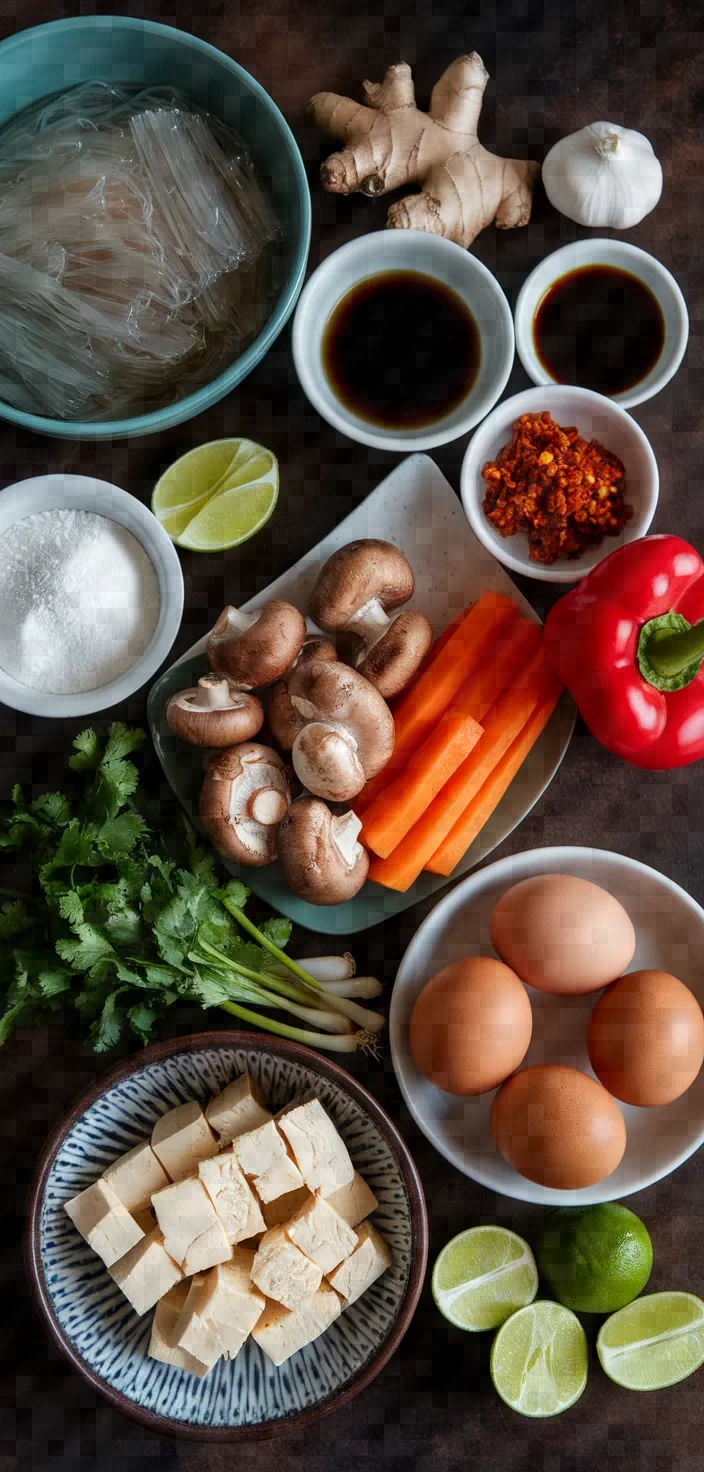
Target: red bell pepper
x,y
628,642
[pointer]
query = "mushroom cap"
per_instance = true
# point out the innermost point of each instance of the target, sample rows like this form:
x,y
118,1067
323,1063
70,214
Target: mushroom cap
x,y
214,713
326,761
356,575
261,653
320,857
336,695
393,660
244,795
284,720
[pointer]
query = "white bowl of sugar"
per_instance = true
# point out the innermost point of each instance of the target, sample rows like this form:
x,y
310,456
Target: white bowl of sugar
x,y
91,595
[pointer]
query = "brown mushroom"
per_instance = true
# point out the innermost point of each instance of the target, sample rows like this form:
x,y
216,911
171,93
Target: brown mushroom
x,y
214,713
355,590
256,648
348,734
322,861
284,720
244,797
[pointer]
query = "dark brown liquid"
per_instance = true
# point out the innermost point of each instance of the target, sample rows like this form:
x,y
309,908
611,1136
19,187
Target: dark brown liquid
x,y
600,328
401,350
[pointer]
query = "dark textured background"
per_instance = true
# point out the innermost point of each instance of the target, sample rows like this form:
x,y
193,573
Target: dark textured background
x,y
554,67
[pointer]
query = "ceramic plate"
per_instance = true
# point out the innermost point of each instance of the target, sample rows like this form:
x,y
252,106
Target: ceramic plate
x,y
417,510
96,1327
670,930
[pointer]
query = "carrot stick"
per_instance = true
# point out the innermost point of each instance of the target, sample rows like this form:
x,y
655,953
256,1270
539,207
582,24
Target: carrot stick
x,y
480,809
503,724
399,807
420,708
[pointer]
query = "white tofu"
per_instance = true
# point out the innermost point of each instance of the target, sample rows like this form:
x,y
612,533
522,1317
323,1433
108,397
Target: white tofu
x,y
369,1260
161,1344
211,1248
353,1201
194,1333
184,1211
136,1176
281,1271
239,1108
320,1154
104,1222
263,1156
182,1138
146,1272
232,1196
284,1207
229,1303
281,1332
321,1233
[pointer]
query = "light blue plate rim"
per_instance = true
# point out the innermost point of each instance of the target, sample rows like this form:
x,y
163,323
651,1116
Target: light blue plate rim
x,y
211,393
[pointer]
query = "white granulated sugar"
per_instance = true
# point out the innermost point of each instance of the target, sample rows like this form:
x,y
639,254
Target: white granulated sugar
x,y
79,601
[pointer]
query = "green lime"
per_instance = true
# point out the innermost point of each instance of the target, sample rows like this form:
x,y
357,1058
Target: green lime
x,y
217,495
539,1359
653,1342
595,1258
482,1276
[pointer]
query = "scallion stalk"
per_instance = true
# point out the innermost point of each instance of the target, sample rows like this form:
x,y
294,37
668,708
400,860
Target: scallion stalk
x,y
336,1043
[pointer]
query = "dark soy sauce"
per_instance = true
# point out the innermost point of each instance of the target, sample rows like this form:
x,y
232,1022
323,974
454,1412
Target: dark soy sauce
x,y
401,350
600,328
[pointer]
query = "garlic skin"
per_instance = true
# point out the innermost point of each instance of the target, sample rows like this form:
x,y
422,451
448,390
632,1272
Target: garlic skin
x,y
603,176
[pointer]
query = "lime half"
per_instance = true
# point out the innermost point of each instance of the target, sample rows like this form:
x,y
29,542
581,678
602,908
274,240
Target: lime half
x,y
539,1359
482,1276
653,1342
217,495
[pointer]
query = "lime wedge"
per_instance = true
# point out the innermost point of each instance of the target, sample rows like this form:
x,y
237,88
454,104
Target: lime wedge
x,y
539,1359
654,1341
217,495
482,1276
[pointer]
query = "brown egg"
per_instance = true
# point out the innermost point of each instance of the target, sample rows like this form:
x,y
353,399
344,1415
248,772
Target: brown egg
x,y
646,1038
562,934
558,1127
471,1026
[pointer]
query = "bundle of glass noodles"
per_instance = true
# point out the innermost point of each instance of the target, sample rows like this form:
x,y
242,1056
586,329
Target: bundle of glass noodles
x,y
136,252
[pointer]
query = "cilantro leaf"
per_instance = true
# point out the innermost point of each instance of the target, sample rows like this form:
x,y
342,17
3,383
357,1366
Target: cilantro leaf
x,y
142,1019
54,808
87,750
278,930
52,983
70,907
118,835
88,953
105,1031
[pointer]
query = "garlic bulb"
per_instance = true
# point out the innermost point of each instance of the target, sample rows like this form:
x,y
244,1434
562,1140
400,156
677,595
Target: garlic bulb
x,y
603,175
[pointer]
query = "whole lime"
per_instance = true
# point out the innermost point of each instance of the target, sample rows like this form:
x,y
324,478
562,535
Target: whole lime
x,y
596,1259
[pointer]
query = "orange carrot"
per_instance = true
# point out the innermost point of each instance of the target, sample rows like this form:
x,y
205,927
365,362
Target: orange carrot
x,y
399,807
420,708
480,809
503,724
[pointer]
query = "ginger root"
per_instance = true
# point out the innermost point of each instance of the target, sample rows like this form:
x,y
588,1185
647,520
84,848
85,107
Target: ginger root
x,y
390,142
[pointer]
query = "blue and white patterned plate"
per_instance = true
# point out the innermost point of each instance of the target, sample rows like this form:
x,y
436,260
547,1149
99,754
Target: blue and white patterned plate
x,y
95,1326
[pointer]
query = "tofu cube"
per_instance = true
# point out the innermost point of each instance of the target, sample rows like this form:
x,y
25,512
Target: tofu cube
x,y
353,1201
161,1345
321,1156
321,1233
275,1213
194,1333
281,1332
229,1303
136,1176
146,1272
263,1156
182,1138
281,1271
239,1108
193,1233
232,1196
369,1260
104,1222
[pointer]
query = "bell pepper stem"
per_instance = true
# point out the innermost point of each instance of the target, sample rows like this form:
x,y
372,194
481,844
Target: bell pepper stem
x,y
670,654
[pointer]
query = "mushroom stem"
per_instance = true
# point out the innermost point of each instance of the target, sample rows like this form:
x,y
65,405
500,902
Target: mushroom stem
x,y
346,830
234,621
267,806
214,694
370,623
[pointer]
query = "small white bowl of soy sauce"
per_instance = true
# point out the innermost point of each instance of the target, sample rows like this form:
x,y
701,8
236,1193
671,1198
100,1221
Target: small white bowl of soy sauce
x,y
402,340
602,315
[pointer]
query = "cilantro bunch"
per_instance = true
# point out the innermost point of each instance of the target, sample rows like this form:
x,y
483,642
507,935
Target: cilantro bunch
x,y
122,921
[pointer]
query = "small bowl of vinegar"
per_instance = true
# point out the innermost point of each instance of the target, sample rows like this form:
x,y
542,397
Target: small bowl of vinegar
x,y
402,340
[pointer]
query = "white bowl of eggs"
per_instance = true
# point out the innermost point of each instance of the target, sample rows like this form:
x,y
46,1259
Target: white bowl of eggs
x,y
572,1070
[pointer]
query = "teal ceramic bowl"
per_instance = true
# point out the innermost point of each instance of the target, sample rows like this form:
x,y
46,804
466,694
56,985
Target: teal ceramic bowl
x,y
52,58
